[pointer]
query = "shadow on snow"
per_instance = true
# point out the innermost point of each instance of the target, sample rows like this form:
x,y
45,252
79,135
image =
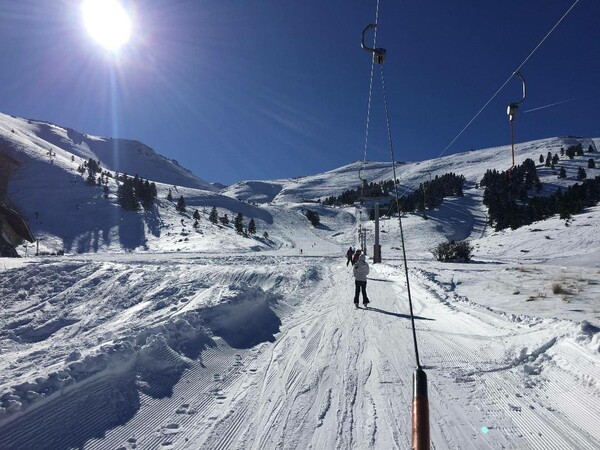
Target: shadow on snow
x,y
389,313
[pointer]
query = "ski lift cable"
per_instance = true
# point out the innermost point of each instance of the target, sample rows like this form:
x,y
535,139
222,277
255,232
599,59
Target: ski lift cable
x,y
389,132
420,404
509,78
370,83
378,57
502,86
369,101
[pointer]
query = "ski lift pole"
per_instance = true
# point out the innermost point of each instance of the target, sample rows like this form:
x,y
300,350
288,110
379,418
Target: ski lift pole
x,y
376,245
362,183
512,110
420,411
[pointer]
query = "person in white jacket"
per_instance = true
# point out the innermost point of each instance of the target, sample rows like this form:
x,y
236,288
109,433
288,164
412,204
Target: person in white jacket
x,y
361,270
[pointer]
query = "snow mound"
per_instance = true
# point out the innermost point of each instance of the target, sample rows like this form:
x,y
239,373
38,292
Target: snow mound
x,y
182,322
244,317
588,335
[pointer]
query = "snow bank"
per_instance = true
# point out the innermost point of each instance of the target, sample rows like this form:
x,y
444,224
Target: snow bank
x,y
81,321
589,336
244,317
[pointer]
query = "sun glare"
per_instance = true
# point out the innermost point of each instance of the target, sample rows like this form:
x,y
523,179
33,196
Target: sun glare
x,y
107,22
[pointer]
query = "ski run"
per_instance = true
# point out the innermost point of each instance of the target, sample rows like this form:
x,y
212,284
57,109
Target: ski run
x,y
150,333
287,362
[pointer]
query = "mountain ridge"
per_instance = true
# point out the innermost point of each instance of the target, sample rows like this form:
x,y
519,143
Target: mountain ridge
x,y
117,154
67,214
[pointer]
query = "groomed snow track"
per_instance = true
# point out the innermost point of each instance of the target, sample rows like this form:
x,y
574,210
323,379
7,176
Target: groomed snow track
x,y
336,377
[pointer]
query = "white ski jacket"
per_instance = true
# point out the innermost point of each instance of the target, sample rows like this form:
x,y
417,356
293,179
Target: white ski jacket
x,y
361,269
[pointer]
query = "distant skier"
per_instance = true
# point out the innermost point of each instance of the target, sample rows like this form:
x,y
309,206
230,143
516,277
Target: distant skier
x,y
349,255
356,256
361,270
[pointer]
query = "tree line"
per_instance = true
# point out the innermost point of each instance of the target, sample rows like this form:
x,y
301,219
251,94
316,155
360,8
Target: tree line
x,y
133,191
429,194
366,190
510,206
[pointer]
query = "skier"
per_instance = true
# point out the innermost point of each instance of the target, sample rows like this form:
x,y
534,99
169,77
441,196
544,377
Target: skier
x,y
356,256
361,270
349,255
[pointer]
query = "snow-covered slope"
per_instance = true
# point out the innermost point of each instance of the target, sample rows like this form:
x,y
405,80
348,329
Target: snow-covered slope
x,y
65,213
152,333
472,165
196,351
122,155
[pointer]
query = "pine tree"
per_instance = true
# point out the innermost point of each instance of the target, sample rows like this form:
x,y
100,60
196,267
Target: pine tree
x,y
214,215
590,149
181,204
541,159
266,235
196,215
251,226
126,195
169,196
591,163
562,173
555,159
94,165
581,175
143,191
238,223
313,217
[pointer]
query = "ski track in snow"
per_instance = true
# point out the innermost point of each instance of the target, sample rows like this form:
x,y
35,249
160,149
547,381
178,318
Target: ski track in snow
x,y
334,376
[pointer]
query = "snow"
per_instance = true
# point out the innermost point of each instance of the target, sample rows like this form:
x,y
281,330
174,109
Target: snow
x,y
150,333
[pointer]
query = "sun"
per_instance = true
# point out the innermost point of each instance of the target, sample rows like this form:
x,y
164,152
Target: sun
x,y
107,22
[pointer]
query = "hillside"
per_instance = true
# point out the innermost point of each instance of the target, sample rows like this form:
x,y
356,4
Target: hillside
x,y
51,156
472,165
152,333
36,138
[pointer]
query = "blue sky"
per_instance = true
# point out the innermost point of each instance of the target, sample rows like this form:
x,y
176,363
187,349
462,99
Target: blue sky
x,y
238,90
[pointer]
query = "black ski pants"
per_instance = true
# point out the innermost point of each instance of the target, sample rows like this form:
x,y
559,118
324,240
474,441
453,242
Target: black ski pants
x,y
361,286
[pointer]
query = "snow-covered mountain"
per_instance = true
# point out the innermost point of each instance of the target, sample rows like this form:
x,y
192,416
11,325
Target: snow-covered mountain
x,y
152,333
66,214
35,137
472,165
